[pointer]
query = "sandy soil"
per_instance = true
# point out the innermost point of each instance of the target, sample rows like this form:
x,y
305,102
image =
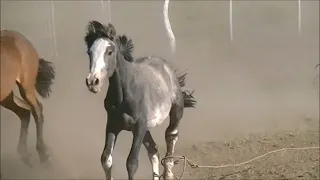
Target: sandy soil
x,y
287,164
252,93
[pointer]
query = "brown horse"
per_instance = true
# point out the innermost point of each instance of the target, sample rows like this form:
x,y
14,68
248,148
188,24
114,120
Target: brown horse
x,y
21,65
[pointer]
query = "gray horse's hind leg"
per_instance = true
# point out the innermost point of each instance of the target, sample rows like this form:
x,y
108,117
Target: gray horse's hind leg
x,y
153,154
171,136
111,137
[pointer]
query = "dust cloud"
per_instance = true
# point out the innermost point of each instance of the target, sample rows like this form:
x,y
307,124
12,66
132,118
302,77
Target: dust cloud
x,y
261,82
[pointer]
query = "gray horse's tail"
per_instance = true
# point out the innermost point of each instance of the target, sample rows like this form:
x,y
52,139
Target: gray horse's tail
x,y
45,77
189,100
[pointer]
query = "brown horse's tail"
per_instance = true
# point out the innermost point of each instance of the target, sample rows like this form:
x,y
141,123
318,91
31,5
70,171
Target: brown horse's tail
x,y
189,100
45,77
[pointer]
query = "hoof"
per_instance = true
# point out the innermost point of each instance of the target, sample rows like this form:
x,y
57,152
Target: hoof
x,y
169,177
45,160
26,159
25,156
156,176
47,165
27,162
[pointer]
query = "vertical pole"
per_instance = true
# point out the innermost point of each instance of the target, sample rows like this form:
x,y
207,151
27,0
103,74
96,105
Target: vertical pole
x,y
231,20
54,29
168,26
299,17
109,9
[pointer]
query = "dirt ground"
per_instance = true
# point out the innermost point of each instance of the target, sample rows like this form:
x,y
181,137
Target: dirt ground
x,y
287,164
255,94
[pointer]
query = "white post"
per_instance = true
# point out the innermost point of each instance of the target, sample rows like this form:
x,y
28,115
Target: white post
x,y
109,9
50,29
231,20
299,17
103,11
168,26
54,29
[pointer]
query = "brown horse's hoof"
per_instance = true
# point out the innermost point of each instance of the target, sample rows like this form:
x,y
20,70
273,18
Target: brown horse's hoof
x,y
44,156
47,164
25,155
45,160
26,159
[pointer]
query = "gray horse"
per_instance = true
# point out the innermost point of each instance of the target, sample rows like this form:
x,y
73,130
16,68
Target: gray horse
x,y
142,94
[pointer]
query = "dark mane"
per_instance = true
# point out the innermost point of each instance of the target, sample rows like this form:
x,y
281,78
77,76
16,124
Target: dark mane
x,y
97,30
125,46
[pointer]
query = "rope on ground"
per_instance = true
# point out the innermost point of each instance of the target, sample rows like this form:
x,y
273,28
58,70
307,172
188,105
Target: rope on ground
x,y
194,165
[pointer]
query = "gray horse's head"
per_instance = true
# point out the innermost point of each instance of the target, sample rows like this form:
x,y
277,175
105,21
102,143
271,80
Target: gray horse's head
x,y
101,51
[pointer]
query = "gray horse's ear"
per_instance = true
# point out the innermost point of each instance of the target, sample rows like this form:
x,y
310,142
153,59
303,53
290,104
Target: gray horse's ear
x,y
111,31
91,28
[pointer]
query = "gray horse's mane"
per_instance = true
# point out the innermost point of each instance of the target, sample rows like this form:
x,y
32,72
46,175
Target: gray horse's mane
x,y
97,30
125,47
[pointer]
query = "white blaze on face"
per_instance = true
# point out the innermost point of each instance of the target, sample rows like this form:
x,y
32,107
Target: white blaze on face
x,y
97,51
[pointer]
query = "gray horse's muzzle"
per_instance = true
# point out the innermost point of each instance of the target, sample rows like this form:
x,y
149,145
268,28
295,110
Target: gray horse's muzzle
x,y
92,83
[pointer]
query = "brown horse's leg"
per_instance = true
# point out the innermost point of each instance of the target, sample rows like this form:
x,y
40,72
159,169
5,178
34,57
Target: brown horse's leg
x,y
19,107
37,112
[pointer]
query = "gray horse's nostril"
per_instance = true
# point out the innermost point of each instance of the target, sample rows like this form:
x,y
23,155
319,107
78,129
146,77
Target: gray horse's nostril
x,y
95,81
87,81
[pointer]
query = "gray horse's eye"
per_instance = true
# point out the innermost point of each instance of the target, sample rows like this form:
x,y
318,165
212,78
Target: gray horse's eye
x,y
109,53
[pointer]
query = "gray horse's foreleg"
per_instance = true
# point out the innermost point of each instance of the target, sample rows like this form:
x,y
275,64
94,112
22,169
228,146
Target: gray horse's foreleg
x,y
171,136
139,132
106,156
153,154
171,140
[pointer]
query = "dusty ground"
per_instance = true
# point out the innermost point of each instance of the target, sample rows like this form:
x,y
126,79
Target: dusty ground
x,y
252,93
288,164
